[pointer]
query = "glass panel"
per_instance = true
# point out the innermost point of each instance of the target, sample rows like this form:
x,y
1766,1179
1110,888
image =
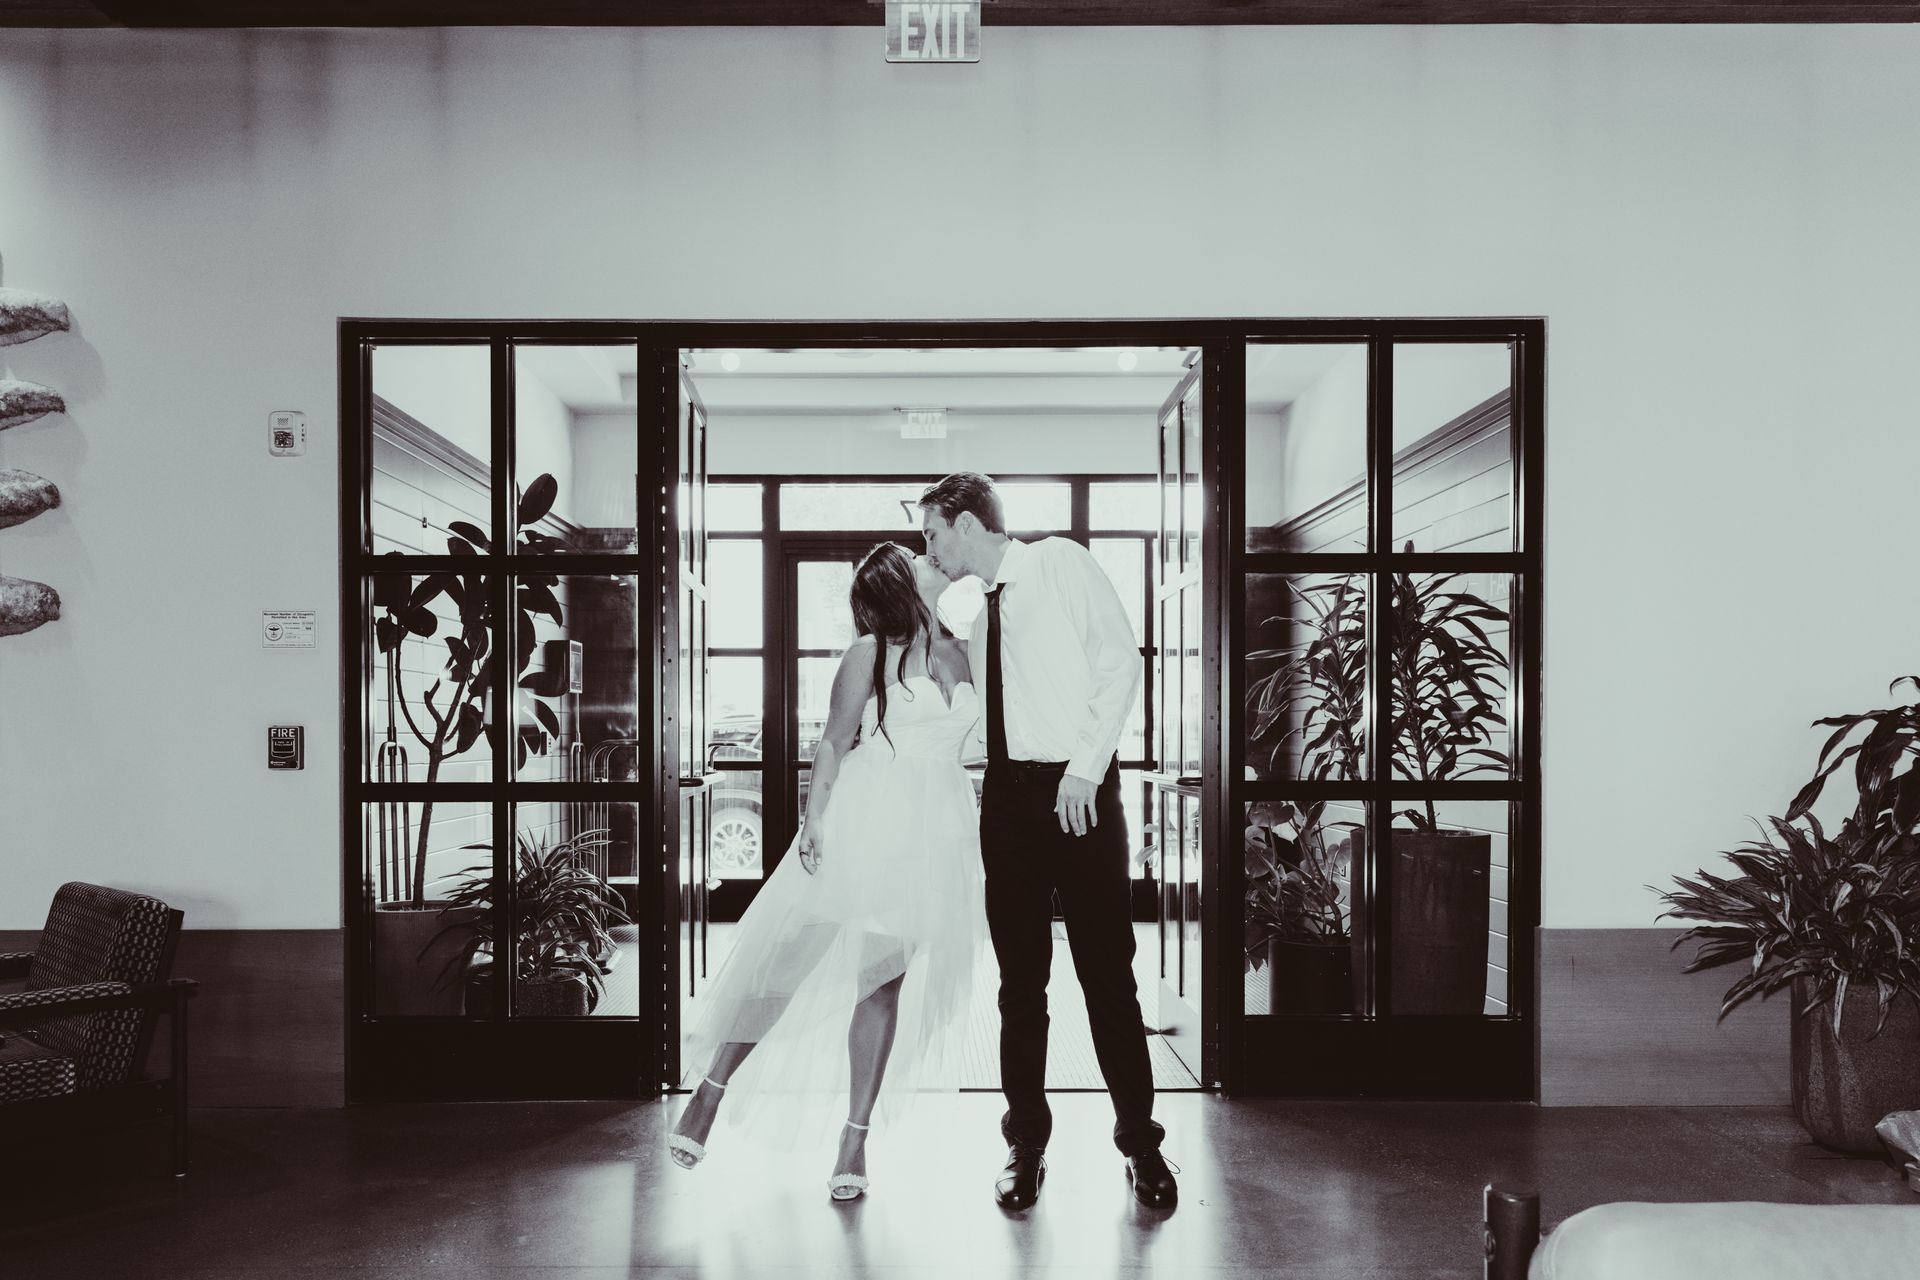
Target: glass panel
x,y
1130,505
575,948
1170,498
1450,662
1299,908
1453,447
813,697
825,614
1191,490
1306,458
1167,688
1451,953
840,506
577,690
432,446
422,872
691,608
1124,562
735,691
1191,682
733,508
1306,710
1133,734
1136,801
735,593
576,421
1167,861
1190,891
736,852
426,715
1033,507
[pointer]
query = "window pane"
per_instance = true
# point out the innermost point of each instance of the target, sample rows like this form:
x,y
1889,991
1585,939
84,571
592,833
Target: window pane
x,y
813,698
738,848
1451,953
583,959
1124,506
432,445
575,425
1124,560
1035,507
1306,701
735,593
578,691
733,508
735,693
1299,907
825,613
412,621
850,506
1452,447
395,836
1306,455
1460,730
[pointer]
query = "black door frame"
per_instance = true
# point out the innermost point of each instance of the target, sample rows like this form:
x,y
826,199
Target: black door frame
x,y
621,1057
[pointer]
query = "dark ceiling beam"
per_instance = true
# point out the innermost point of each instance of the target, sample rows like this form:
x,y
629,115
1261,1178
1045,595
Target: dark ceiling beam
x,y
997,13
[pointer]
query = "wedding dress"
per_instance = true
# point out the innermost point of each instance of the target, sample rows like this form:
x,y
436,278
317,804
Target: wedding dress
x,y
899,890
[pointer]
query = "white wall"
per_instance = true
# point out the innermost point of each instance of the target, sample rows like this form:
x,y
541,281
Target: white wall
x,y
1717,223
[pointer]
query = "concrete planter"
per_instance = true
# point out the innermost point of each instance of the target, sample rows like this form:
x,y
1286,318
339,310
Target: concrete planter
x,y
1842,1088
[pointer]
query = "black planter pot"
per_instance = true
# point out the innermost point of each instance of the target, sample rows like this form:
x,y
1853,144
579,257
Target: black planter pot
x,y
566,997
1842,1088
1310,977
415,955
1440,920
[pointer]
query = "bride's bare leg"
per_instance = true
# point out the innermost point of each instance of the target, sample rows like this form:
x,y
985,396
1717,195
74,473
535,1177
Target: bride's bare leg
x,y
869,1044
697,1120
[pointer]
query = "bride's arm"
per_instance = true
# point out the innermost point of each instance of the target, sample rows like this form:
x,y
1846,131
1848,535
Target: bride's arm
x,y
852,686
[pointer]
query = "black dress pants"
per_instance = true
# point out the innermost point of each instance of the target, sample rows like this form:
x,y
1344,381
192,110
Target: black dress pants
x,y
1028,859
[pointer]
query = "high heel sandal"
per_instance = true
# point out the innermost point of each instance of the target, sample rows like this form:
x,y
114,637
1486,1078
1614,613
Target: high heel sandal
x,y
684,1151
853,1185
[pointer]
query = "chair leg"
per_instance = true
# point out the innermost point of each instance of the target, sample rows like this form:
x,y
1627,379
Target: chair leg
x,y
179,1082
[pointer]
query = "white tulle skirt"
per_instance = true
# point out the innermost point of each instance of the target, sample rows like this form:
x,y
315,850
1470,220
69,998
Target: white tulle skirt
x,y
899,890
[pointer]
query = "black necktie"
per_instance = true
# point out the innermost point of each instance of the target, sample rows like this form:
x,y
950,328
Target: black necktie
x,y
996,708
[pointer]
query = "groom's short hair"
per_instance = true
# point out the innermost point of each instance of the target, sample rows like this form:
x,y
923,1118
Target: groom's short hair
x,y
967,491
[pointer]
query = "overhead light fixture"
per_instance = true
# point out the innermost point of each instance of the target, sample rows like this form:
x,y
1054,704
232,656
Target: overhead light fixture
x,y
923,424
730,360
1127,360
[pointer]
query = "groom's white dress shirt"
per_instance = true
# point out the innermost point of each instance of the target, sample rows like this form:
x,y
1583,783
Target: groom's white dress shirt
x,y
1069,664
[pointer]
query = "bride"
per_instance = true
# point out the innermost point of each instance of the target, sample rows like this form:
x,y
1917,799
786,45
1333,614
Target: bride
x,y
877,910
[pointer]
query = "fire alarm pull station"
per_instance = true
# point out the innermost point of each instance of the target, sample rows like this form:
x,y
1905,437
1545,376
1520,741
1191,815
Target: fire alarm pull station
x,y
286,746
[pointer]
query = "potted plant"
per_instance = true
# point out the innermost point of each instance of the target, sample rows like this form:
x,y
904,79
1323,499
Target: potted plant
x,y
1836,918
562,915
407,922
1447,685
1296,918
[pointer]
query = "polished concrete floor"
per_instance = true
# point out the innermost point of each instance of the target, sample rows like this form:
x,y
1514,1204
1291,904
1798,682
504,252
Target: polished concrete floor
x,y
1270,1188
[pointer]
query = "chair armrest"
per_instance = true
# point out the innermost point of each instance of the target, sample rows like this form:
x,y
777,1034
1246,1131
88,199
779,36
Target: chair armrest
x,y
27,1008
15,964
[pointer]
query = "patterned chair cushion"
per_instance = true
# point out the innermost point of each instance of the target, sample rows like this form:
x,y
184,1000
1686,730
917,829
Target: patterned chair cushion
x,y
96,934
30,1070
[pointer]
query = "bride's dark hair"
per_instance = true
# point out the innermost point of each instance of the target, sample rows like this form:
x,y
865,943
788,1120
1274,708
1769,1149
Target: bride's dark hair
x,y
888,607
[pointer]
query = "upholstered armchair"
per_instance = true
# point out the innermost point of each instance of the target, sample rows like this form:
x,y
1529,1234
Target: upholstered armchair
x,y
74,1039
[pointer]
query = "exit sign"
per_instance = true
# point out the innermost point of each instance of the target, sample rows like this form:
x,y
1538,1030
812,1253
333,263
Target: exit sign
x,y
933,31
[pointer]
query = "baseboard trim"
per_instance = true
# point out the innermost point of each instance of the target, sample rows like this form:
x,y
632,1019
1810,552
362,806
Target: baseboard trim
x,y
1621,1025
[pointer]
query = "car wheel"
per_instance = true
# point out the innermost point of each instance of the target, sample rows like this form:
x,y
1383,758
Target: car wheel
x,y
735,840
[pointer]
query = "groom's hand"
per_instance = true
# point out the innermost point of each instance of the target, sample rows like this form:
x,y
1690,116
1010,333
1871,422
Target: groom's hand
x,y
1074,805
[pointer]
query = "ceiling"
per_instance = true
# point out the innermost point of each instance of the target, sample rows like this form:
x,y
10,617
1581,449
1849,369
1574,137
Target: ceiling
x,y
809,13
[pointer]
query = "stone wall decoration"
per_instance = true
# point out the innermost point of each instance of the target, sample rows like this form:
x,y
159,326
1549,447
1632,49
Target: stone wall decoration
x,y
22,402
24,495
25,316
25,605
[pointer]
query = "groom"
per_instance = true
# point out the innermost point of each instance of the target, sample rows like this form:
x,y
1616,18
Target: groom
x,y
1056,659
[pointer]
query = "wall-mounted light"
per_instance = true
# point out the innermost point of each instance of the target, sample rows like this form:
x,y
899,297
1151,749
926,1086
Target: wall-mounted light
x,y
730,360
1127,360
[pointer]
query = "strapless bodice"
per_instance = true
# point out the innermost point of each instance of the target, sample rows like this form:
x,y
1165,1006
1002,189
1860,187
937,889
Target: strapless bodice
x,y
921,723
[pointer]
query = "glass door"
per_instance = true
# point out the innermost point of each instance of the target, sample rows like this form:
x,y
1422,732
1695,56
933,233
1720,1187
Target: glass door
x,y
698,784
1178,790
819,623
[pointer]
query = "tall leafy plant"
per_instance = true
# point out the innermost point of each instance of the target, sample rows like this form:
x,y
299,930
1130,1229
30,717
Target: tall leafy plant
x,y
455,705
1293,889
1837,910
1448,683
1317,690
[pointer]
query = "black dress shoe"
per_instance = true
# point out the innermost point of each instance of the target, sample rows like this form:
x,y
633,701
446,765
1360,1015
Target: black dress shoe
x,y
1019,1184
1153,1182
